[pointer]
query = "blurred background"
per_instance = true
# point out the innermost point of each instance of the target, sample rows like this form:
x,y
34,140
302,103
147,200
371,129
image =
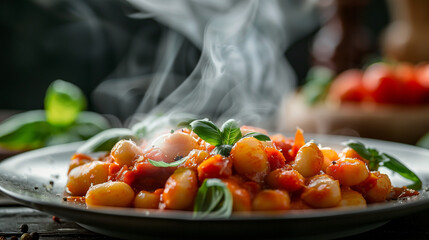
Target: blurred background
x,y
119,53
84,42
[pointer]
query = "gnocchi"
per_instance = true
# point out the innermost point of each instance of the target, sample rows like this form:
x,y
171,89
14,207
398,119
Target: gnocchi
x,y
253,172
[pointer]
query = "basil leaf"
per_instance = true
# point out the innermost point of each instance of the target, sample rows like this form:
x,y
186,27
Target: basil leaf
x,y
259,136
360,149
231,132
92,118
396,166
62,138
140,130
63,102
104,141
88,124
376,159
317,84
223,150
213,199
207,131
25,131
185,123
424,141
164,164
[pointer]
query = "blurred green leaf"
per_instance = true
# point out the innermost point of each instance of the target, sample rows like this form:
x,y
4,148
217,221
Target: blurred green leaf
x,y
86,125
317,84
25,131
140,129
104,141
424,141
62,138
63,102
89,124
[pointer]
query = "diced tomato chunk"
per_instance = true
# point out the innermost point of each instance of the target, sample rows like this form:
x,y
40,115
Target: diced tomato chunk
x,y
284,144
125,175
289,180
275,158
114,169
298,143
215,167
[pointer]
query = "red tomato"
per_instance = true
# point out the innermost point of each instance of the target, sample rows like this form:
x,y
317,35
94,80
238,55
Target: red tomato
x,y
348,87
275,158
114,169
125,175
284,144
413,89
145,176
423,79
215,167
380,82
289,180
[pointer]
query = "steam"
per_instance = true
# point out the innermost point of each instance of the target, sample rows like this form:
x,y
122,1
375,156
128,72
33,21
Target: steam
x,y
242,72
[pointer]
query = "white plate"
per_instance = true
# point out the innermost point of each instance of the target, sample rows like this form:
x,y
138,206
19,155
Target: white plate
x,y
26,178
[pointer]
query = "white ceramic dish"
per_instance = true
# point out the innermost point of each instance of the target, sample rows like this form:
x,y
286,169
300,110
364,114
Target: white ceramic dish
x,y
26,178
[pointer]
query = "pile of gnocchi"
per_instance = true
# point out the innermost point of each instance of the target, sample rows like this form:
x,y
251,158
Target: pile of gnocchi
x,y
255,170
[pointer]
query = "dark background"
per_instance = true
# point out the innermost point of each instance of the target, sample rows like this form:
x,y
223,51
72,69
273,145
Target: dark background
x,y
84,42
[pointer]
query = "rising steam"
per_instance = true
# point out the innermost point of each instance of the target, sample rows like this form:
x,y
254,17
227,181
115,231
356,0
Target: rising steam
x,y
242,72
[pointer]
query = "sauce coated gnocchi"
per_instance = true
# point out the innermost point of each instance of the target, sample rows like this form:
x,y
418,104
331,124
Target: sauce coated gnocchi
x,y
274,174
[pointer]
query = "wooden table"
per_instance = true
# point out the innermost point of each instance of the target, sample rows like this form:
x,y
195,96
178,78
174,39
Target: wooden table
x,y
12,215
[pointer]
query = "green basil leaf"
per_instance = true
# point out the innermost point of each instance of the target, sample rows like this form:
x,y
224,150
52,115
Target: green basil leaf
x,y
25,131
259,136
372,155
213,200
424,141
376,159
207,131
317,84
93,119
62,138
104,141
231,132
63,102
223,150
88,124
396,166
185,123
360,149
140,129
164,164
